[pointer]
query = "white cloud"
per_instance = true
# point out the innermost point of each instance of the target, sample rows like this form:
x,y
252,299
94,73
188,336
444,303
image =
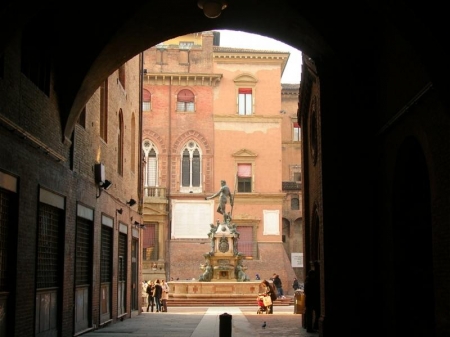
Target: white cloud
x,y
238,39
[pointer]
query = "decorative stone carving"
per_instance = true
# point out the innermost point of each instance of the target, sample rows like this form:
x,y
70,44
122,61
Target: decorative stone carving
x,y
223,245
223,262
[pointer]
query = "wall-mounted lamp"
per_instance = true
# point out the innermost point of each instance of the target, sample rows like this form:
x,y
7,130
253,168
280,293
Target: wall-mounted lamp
x,y
103,185
99,174
120,211
132,202
212,8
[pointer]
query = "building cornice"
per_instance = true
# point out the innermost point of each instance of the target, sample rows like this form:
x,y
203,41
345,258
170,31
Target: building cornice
x,y
259,198
235,118
185,79
235,55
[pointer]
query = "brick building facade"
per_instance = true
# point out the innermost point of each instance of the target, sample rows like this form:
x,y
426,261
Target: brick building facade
x,y
211,111
69,243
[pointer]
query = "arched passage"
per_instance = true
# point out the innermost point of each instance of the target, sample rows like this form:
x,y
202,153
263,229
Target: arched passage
x,y
357,53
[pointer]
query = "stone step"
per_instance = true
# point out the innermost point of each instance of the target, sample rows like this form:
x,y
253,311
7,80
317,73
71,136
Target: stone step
x,y
211,302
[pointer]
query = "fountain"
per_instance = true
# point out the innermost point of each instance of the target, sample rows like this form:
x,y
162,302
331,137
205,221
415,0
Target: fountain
x,y
223,262
223,270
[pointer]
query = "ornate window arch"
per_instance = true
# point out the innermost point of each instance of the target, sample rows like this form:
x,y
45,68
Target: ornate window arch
x,y
191,168
151,163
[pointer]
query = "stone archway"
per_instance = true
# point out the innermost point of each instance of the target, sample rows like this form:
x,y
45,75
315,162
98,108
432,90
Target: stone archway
x,y
412,246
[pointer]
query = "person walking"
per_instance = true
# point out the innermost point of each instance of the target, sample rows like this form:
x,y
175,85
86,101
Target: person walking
x,y
164,295
295,284
279,285
150,299
157,295
224,193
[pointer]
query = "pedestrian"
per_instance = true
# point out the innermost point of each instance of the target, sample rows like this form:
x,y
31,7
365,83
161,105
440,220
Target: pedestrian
x,y
157,295
295,284
164,295
144,294
257,277
150,299
266,289
279,285
312,293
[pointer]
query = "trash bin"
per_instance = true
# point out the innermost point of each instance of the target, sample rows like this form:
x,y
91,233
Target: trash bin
x,y
299,302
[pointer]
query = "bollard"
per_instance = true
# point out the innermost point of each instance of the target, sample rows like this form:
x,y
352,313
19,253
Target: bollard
x,y
225,325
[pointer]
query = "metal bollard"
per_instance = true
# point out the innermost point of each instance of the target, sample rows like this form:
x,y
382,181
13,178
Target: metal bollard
x,y
225,325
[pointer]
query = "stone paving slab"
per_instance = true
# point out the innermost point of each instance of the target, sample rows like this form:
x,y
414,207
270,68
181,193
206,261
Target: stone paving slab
x,y
205,322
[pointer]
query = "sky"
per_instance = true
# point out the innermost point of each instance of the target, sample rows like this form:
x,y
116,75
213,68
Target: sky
x,y
238,39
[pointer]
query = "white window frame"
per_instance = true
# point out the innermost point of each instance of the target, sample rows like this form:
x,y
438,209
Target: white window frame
x,y
151,165
245,102
191,146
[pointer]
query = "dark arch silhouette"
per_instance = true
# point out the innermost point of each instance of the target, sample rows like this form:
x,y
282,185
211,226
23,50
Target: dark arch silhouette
x,y
413,268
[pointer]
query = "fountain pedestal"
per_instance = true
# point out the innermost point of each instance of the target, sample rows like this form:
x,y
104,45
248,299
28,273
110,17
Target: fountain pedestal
x,y
223,262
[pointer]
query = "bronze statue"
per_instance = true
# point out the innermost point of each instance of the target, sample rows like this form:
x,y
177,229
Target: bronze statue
x,y
240,274
224,193
207,275
211,233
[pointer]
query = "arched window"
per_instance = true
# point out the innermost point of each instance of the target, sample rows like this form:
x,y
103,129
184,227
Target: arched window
x,y
146,100
191,167
185,101
104,110
133,143
151,163
120,134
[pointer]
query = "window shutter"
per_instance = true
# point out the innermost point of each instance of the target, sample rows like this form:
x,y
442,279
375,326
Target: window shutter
x,y
244,170
245,90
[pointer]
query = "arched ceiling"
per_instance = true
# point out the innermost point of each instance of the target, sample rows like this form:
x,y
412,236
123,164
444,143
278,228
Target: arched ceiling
x,y
90,40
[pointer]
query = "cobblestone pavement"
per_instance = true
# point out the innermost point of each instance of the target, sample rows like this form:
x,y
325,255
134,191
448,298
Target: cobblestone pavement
x,y
283,323
205,322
